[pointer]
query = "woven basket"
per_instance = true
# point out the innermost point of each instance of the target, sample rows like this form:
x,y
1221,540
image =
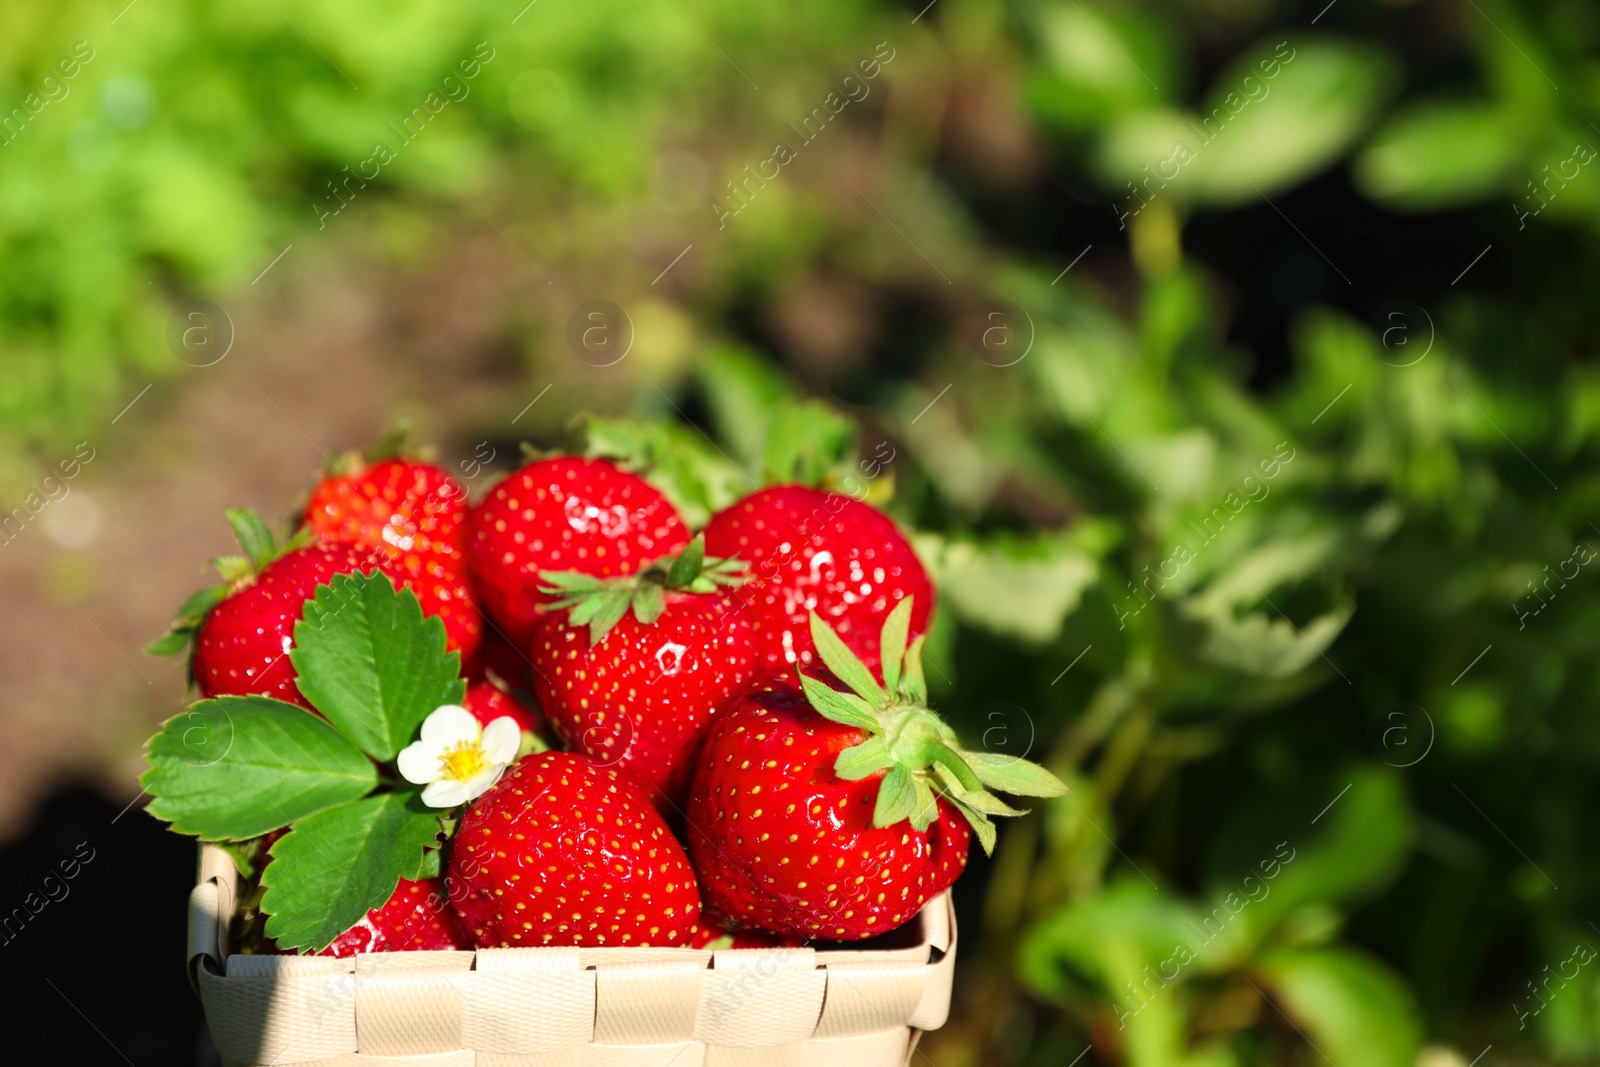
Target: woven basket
x,y
543,1007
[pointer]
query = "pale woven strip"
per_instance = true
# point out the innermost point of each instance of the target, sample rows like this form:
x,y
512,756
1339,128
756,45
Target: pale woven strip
x,y
564,1007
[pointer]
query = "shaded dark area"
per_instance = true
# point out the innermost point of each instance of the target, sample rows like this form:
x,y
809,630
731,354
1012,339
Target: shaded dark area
x,y
97,974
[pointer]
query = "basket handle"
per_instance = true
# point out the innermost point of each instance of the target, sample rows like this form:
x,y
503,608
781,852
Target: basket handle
x,y
210,913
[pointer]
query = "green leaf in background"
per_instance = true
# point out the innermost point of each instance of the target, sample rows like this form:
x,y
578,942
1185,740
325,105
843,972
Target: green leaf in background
x,y
1438,155
688,469
1357,846
1099,62
334,866
1351,1008
743,392
253,535
238,767
1281,113
807,442
368,659
1020,587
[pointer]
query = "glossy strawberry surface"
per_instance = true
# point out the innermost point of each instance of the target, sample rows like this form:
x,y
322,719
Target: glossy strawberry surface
x,y
563,851
564,514
488,702
783,844
405,504
412,513
642,698
417,918
809,550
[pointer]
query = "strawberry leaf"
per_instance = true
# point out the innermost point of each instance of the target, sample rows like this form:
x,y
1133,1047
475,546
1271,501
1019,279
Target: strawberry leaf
x,y
169,644
253,535
858,761
187,621
334,866
978,820
606,610
892,642
1010,774
686,568
648,602
845,664
916,684
846,708
951,761
926,811
368,659
238,767
807,442
897,798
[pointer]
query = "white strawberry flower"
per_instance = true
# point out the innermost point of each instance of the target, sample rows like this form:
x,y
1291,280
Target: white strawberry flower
x,y
457,758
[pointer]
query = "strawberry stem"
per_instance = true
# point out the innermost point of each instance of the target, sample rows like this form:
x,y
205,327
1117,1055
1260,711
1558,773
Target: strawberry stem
x,y
919,755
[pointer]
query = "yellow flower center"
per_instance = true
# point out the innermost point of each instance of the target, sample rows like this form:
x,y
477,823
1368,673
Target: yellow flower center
x,y
463,761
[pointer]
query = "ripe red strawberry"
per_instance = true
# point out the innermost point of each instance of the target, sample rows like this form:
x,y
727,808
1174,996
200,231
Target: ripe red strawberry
x,y
562,851
405,504
638,691
242,630
488,702
809,550
834,815
412,513
564,514
417,918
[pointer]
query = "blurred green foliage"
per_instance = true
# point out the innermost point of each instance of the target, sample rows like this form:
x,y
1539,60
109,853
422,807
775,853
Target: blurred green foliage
x,y
1332,621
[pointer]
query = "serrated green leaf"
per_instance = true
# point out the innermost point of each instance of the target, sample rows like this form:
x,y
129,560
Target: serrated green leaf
x,y
892,643
334,866
846,708
368,659
845,664
1012,775
239,767
648,602
897,798
253,535
858,761
687,566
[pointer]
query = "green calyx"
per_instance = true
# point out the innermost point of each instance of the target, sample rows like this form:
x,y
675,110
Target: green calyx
x,y
602,602
920,755
257,546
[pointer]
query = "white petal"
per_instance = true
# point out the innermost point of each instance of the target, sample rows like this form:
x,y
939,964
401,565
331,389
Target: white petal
x,y
446,793
419,762
482,782
501,739
449,725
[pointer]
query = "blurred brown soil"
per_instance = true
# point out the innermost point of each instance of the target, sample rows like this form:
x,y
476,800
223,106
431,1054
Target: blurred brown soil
x,y
326,354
